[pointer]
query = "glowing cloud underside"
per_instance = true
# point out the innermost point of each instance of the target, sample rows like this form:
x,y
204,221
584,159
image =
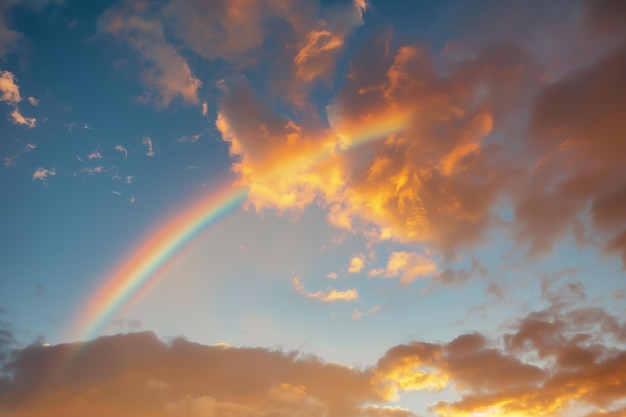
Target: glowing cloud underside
x,y
144,266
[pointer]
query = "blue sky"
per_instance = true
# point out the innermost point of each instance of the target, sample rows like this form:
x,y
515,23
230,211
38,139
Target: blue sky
x,y
423,262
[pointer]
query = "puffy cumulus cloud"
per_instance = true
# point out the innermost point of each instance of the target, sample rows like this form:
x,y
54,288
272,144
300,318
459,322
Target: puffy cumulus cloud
x,y
430,176
575,128
138,375
167,73
554,362
330,295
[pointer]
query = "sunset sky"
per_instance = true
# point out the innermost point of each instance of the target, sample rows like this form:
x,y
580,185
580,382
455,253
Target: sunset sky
x,y
312,208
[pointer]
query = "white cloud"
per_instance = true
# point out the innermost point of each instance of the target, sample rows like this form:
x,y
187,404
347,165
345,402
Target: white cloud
x,y
42,173
116,193
95,155
148,142
205,108
132,199
332,275
129,179
121,149
33,101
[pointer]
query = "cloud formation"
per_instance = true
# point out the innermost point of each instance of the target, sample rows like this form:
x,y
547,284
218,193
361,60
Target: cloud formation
x,y
138,375
553,361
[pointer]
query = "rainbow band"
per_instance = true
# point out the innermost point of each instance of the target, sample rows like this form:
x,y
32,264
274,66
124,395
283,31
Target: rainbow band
x,y
143,268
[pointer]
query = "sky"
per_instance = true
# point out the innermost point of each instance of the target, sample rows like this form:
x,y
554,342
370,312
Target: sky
x,y
338,208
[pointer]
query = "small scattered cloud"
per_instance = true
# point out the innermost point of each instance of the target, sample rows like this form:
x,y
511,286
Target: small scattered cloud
x,y
42,174
10,161
356,264
408,266
357,314
329,295
70,126
132,199
148,143
192,138
19,119
33,101
332,275
116,193
10,93
93,170
123,150
95,155
205,108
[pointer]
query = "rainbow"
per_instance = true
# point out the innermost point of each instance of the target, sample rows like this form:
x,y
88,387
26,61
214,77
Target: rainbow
x,y
145,266
141,268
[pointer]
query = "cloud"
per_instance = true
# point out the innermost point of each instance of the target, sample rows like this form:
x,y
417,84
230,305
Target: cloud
x,y
574,129
9,90
10,161
408,266
205,108
123,150
137,375
10,93
575,366
331,275
148,142
43,173
429,177
167,73
330,295
192,138
95,155
132,199
116,193
356,264
33,101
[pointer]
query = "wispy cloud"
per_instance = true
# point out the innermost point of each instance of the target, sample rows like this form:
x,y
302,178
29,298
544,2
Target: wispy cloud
x,y
408,266
192,138
148,142
33,101
95,155
329,295
123,150
205,108
10,161
43,173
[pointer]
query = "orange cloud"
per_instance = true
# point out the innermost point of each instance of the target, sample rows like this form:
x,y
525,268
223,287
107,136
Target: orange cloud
x,y
137,375
330,295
